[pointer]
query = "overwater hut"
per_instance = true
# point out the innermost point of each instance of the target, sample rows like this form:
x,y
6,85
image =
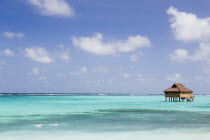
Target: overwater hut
x,y
178,92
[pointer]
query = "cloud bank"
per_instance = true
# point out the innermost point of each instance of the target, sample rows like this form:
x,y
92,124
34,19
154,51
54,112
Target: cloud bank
x,y
97,45
53,7
11,35
188,27
38,54
7,52
81,71
176,77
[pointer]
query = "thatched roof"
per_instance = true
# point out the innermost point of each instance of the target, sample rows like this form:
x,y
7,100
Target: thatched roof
x,y
178,88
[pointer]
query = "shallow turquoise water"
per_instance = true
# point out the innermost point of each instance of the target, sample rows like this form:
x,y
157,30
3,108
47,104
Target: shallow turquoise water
x,y
102,114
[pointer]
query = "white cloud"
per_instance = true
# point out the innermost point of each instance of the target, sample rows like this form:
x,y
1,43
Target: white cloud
x,y
174,77
135,57
13,35
53,7
126,75
7,52
180,55
201,54
135,76
65,57
38,54
82,70
140,77
188,27
96,44
35,71
43,79
65,53
38,75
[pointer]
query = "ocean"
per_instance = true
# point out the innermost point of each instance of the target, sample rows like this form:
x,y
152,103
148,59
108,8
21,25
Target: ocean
x,y
94,117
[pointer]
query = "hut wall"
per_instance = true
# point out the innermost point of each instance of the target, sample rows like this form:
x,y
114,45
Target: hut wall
x,y
172,95
185,95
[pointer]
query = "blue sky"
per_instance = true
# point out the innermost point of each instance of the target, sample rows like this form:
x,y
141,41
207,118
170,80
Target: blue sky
x,y
117,46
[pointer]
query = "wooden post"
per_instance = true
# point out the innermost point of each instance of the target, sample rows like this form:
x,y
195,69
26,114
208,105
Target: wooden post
x,y
179,99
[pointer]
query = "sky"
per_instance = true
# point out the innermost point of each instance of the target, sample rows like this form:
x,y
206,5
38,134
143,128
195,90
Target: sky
x,y
104,46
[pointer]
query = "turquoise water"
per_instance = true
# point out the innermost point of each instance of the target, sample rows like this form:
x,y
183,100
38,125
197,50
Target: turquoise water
x,y
102,117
